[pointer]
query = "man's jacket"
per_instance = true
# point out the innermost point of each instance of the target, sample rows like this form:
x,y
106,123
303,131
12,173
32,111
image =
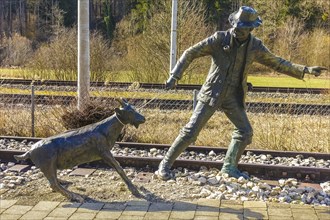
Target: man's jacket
x,y
218,46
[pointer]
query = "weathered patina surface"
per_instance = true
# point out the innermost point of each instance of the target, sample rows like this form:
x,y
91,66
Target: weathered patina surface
x,y
232,53
82,145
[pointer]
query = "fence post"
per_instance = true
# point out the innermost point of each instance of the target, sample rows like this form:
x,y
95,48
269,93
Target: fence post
x,y
32,110
195,92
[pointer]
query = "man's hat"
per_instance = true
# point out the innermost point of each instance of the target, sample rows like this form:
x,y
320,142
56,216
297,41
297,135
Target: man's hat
x,y
245,17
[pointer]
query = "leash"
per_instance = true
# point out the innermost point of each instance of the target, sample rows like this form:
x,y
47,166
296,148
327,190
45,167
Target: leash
x,y
146,103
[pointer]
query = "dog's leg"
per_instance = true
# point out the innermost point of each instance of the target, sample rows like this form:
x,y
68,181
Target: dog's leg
x,y
51,175
109,159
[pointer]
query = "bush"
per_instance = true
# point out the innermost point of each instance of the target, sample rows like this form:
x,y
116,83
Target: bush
x,y
314,48
15,50
58,59
94,111
147,54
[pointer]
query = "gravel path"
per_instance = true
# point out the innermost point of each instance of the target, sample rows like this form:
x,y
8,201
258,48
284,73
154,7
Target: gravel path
x,y
105,185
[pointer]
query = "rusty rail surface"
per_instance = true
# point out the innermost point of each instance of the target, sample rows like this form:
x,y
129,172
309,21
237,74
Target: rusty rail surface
x,y
260,170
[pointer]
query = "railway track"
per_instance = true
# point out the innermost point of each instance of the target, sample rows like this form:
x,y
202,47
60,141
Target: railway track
x,y
168,104
266,171
160,86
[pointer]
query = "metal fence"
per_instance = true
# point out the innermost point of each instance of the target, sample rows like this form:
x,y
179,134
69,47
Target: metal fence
x,y
36,100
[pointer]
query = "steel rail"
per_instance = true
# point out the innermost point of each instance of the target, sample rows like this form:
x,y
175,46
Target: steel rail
x,y
169,104
204,149
161,86
259,170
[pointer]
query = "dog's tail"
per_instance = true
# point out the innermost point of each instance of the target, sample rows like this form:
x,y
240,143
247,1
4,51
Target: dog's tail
x,y
23,156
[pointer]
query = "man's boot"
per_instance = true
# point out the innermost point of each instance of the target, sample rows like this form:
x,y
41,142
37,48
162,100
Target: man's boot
x,y
165,165
234,152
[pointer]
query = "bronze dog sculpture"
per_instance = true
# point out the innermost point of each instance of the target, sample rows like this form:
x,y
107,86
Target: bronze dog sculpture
x,y
82,145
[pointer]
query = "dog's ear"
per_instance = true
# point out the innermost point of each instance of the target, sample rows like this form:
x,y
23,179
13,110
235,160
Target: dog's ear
x,y
121,102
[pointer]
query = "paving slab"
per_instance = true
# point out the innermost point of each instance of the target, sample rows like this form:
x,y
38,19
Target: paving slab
x,y
90,207
280,212
17,210
305,217
5,204
45,206
138,203
163,215
62,212
131,217
209,202
69,205
231,216
82,216
19,168
323,216
160,207
54,218
183,210
273,217
10,217
108,214
136,208
278,205
306,211
202,209
255,213
82,172
254,204
115,206
35,215
231,208
207,211
230,202
201,217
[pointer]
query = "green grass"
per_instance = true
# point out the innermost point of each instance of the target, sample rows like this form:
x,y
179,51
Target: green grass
x,y
281,81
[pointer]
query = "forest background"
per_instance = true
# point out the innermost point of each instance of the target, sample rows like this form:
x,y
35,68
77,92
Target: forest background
x,y
130,39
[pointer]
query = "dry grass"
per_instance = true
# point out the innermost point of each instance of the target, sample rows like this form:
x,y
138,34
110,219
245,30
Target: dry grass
x,y
17,122
271,131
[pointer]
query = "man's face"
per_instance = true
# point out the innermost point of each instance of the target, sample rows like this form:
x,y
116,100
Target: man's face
x,y
242,34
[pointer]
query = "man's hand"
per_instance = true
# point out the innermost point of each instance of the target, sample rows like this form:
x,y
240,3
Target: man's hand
x,y
170,83
314,70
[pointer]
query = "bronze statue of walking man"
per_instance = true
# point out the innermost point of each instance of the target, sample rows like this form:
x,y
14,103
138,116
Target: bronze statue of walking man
x,y
232,52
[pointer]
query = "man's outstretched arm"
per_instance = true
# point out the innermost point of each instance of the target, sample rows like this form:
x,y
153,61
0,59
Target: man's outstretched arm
x,y
267,58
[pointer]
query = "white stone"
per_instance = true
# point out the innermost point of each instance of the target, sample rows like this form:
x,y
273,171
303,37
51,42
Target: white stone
x,y
255,188
281,182
212,153
250,184
202,180
213,181
205,192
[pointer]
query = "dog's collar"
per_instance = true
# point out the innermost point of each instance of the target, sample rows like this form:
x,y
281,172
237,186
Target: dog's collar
x,y
119,119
